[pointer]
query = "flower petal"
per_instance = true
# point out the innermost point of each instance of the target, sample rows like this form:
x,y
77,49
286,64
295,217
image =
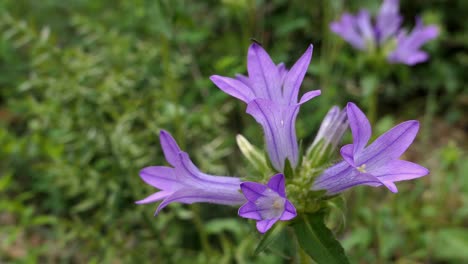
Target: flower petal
x,y
263,73
193,195
252,190
294,77
346,28
249,210
363,21
233,87
279,125
276,183
388,20
389,146
265,225
160,177
309,95
289,211
347,154
341,177
154,197
169,145
399,170
360,128
187,172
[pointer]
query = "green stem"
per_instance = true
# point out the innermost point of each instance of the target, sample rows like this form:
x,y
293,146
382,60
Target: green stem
x,y
200,230
373,105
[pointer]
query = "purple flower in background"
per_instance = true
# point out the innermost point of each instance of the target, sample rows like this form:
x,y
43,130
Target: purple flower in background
x,y
184,183
359,31
408,45
271,94
267,203
375,165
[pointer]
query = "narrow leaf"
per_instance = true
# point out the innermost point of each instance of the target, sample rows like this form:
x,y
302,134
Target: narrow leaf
x,y
269,237
317,240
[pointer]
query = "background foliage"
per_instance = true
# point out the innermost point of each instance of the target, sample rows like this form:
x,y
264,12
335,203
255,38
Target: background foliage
x,y
85,87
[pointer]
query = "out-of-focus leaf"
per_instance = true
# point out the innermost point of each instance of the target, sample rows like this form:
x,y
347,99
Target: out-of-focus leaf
x,y
317,240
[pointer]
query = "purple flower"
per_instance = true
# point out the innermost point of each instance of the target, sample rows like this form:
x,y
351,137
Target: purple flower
x,y
267,203
184,183
271,94
359,31
408,45
375,165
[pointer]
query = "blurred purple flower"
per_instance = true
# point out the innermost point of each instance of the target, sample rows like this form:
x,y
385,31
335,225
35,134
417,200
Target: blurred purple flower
x,y
375,165
408,45
271,92
267,203
184,183
359,31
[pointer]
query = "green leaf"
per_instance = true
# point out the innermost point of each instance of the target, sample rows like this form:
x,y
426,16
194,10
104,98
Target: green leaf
x,y
269,237
451,244
317,240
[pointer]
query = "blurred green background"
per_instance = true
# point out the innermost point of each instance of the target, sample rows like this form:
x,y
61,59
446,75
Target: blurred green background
x,y
86,85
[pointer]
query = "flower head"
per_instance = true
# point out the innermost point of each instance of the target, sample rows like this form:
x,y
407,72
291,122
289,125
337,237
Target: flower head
x,y
362,34
408,45
375,165
271,94
184,183
266,203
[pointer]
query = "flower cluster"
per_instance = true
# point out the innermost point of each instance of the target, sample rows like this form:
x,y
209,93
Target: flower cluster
x,y
271,94
386,33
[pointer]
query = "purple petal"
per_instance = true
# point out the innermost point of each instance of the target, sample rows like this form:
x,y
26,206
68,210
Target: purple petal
x,y
391,186
289,211
363,21
263,73
154,197
388,20
193,195
249,210
309,95
276,183
252,190
265,225
233,87
341,177
389,146
399,170
346,28
347,154
294,77
169,145
187,172
282,71
160,177
278,122
360,128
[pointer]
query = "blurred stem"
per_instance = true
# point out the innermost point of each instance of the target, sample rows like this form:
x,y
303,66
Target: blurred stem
x,y
373,105
200,230
431,106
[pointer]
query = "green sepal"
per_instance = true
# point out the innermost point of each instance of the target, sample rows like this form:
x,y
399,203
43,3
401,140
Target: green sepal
x,y
288,169
269,237
253,155
317,240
